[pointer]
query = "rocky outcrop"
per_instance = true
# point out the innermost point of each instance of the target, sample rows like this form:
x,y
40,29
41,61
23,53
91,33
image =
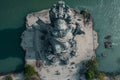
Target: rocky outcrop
x,y
56,38
61,34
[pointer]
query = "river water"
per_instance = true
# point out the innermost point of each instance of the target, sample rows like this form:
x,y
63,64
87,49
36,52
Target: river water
x,y
106,14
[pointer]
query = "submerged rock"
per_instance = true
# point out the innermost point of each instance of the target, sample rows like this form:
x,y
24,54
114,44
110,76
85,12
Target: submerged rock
x,y
108,44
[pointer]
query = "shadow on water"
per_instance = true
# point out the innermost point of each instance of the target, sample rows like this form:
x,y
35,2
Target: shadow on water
x,y
12,16
10,48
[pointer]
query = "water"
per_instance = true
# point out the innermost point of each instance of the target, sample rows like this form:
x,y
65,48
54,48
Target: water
x,y
106,15
12,24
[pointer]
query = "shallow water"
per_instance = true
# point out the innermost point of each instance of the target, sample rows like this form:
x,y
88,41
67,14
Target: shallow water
x,y
106,14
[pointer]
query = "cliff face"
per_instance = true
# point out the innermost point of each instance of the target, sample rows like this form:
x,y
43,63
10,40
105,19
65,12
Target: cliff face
x,y
57,40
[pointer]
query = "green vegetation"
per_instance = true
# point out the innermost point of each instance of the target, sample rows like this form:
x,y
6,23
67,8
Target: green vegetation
x,y
92,64
100,75
92,73
30,73
8,77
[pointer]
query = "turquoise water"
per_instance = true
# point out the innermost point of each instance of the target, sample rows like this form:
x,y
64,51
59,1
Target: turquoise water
x,y
106,14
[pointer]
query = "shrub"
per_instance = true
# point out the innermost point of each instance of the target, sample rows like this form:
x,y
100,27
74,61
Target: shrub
x,y
8,77
91,72
90,75
100,75
30,72
95,63
92,64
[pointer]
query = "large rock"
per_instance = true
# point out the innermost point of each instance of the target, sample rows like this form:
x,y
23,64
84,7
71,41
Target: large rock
x,y
58,37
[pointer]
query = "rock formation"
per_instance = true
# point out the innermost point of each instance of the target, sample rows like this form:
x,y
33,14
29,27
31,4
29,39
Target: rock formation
x,y
57,37
60,38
